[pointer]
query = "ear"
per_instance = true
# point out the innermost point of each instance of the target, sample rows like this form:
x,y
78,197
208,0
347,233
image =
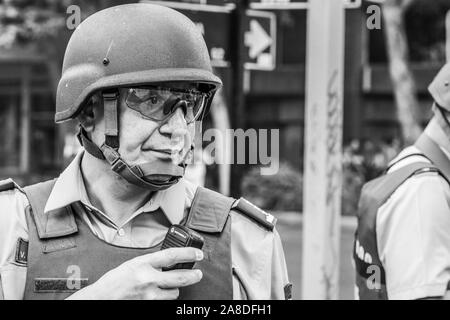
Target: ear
x,y
89,114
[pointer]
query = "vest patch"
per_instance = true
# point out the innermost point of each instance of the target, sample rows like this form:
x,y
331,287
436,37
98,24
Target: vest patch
x,y
59,284
21,256
53,245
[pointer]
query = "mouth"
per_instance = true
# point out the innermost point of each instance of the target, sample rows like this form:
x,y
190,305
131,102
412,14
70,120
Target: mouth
x,y
161,153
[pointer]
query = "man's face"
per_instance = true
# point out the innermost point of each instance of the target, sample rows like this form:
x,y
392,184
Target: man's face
x,y
145,140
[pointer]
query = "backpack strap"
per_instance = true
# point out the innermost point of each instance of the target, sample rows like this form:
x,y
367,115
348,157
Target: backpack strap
x,y
55,223
415,154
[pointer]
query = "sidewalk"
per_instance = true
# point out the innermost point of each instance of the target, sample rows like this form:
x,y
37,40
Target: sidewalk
x,y
289,226
292,217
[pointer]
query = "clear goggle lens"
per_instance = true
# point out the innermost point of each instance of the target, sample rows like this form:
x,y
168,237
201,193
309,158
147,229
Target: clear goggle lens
x,y
158,103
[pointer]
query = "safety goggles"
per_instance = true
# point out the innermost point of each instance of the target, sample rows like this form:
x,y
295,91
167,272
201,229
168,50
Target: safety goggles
x,y
158,103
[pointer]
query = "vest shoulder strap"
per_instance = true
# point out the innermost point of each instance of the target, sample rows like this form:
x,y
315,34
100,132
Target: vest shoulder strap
x,y
209,211
9,184
373,195
56,223
259,216
381,188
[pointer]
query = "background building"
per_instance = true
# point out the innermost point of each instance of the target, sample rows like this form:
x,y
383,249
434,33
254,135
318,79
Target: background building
x,y
32,146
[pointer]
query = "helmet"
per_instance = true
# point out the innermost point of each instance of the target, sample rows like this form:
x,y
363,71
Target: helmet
x,y
131,45
440,87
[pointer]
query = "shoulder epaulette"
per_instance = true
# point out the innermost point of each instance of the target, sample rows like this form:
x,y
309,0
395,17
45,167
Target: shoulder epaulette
x,y
8,184
261,217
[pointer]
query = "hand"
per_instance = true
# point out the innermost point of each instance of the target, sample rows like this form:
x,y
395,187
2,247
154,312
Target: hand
x,y
142,278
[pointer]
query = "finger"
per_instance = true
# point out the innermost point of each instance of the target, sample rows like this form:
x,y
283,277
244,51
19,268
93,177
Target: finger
x,y
171,256
163,294
179,278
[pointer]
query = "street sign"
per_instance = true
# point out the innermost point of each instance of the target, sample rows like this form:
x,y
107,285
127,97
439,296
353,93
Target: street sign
x,y
295,4
278,4
200,5
214,22
447,36
260,39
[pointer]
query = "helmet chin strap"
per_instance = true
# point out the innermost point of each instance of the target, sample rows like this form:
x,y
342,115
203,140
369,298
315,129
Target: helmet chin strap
x,y
154,175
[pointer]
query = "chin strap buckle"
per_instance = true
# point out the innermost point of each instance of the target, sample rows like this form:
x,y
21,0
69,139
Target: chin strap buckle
x,y
111,155
118,166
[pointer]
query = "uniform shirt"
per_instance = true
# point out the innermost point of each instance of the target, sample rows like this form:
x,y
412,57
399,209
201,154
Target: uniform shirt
x,y
257,254
413,232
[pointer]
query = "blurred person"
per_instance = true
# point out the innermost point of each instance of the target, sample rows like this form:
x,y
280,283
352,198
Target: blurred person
x,y
136,77
402,243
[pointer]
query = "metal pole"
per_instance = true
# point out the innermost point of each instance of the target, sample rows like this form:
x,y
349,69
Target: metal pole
x,y
323,149
237,105
447,36
25,123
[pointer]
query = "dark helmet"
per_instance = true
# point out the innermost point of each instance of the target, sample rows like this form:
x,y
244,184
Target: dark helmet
x,y
131,45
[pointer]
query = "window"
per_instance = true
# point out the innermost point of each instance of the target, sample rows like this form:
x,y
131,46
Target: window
x,y
9,135
28,135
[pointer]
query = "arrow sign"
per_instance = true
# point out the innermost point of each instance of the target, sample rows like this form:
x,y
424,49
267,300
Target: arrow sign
x,y
260,38
256,39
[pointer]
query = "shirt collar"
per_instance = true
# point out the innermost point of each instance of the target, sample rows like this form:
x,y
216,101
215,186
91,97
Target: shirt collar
x,y
69,188
437,134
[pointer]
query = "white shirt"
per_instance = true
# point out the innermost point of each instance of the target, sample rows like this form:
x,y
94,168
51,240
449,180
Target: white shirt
x,y
257,254
413,234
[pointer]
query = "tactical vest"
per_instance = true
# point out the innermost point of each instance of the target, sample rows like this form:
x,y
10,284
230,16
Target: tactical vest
x,y
370,274
65,256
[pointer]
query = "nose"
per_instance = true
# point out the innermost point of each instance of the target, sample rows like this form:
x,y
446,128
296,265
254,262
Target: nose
x,y
174,123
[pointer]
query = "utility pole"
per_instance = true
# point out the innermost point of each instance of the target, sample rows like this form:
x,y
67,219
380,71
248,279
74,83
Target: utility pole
x,y
323,149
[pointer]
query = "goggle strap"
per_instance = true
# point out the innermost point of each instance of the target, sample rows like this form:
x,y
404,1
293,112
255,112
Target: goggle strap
x,y
110,107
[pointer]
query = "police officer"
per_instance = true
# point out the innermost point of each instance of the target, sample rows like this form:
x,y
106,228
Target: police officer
x,y
402,246
136,77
